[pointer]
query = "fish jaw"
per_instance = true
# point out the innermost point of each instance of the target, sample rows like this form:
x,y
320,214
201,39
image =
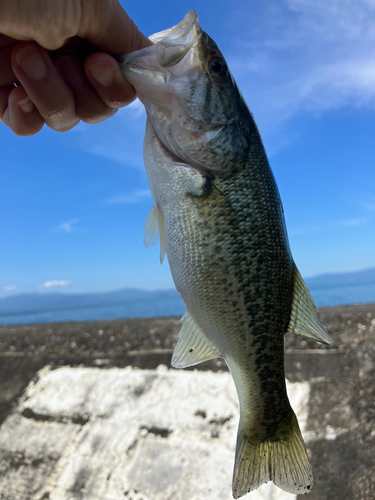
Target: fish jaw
x,y
179,32
169,59
162,75
199,116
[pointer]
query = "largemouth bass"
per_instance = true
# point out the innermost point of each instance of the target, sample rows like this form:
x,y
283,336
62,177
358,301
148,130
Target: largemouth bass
x,y
219,218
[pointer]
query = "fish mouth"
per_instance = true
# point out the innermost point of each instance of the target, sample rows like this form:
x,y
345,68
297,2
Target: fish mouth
x,y
154,71
180,31
173,44
171,47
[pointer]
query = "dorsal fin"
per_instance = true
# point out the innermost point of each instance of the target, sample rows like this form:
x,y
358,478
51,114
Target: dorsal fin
x,y
154,232
304,317
193,346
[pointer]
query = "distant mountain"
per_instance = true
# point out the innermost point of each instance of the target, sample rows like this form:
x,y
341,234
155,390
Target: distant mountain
x,y
31,302
336,279
54,302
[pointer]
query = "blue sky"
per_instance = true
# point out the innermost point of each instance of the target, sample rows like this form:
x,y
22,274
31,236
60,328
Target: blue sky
x,y
73,205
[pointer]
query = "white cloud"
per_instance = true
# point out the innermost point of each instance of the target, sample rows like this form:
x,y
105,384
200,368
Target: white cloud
x,y
130,198
55,283
353,222
68,226
117,154
305,55
9,288
325,226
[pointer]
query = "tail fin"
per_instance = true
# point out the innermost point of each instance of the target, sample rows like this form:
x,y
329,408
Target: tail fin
x,y
283,461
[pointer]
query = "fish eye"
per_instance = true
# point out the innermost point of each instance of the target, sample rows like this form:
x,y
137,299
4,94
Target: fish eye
x,y
218,69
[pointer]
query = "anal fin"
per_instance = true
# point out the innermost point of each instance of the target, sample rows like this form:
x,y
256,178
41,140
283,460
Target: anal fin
x,y
193,346
304,317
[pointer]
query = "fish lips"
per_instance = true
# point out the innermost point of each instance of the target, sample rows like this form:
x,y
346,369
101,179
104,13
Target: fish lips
x,y
155,65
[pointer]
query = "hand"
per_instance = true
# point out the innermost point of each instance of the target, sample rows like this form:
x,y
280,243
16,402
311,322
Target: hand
x,y
48,49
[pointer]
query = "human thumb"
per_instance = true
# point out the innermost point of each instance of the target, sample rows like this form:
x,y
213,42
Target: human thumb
x,y
106,25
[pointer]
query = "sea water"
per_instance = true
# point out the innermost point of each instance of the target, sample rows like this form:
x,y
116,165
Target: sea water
x,y
172,305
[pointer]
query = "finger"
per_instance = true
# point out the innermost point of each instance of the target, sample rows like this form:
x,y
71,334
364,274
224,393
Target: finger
x,y
109,28
105,76
20,115
7,75
4,96
44,85
89,106
5,40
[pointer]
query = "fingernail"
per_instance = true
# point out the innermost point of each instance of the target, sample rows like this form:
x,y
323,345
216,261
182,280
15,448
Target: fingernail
x,y
26,105
31,62
101,118
102,73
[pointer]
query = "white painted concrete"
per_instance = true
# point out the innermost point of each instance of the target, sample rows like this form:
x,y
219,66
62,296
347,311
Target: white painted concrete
x,y
150,435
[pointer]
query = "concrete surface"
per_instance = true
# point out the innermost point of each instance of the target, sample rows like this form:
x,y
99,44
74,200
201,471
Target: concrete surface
x,y
339,426
126,433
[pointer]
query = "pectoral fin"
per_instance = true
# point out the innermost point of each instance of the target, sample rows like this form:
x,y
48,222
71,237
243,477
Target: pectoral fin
x,y
151,229
154,232
192,347
304,317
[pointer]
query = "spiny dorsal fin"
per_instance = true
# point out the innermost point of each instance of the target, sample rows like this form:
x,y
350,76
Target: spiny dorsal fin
x,y
154,232
304,317
192,347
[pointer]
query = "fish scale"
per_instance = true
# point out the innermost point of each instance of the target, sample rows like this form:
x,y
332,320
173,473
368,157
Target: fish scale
x,y
220,222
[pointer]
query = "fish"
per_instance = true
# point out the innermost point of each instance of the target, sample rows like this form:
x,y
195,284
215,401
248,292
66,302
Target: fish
x,y
219,219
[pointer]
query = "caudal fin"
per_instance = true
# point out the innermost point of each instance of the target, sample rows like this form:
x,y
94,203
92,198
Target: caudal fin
x,y
283,461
